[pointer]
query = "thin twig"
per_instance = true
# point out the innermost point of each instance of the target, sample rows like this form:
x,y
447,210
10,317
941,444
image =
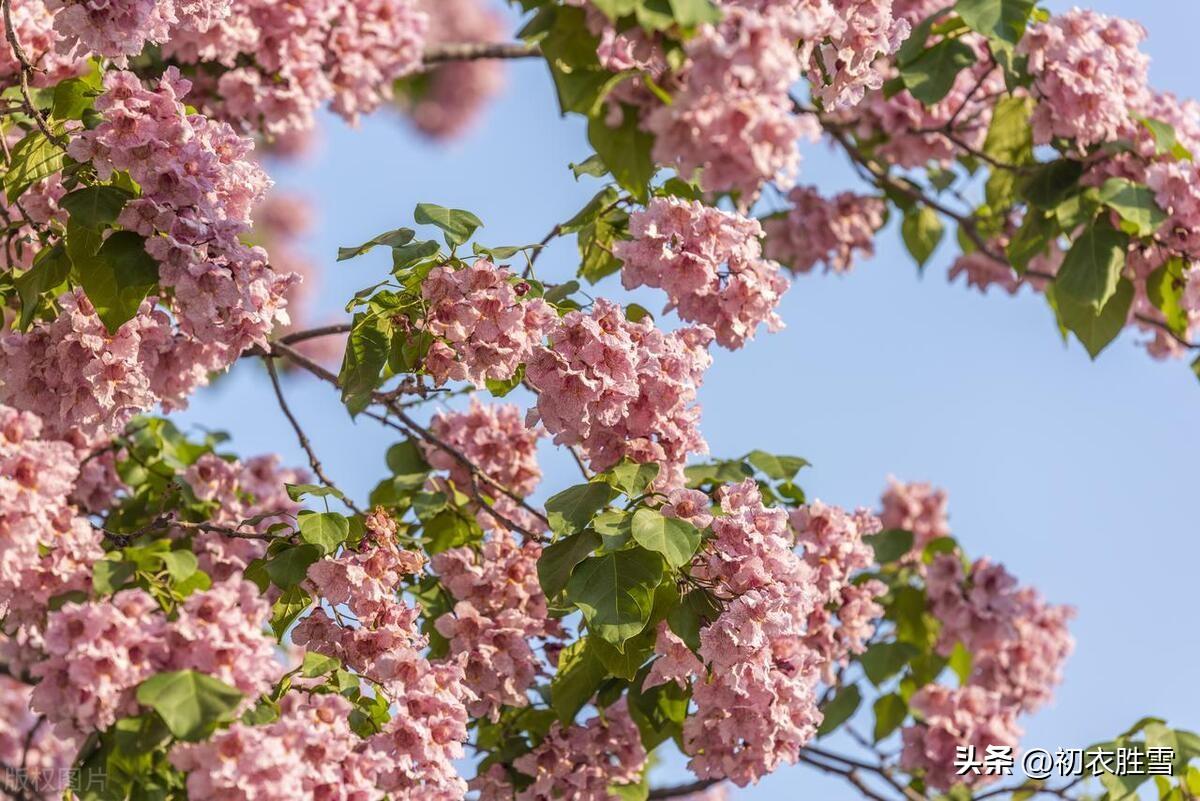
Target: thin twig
x,y
313,461
478,51
681,789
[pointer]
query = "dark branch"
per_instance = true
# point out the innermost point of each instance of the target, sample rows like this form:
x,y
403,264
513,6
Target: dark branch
x,y
478,51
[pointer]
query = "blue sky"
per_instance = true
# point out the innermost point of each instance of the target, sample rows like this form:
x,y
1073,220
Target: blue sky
x,y
1077,475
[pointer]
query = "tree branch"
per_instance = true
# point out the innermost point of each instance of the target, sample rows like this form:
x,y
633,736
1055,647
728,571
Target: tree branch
x,y
478,51
682,789
313,461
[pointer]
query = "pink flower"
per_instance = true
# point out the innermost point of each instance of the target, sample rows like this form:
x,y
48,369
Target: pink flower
x,y
484,329
816,230
952,718
617,388
710,264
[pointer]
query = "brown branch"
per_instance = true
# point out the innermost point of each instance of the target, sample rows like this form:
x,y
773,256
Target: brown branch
x,y
478,51
314,333
165,523
313,461
26,69
682,789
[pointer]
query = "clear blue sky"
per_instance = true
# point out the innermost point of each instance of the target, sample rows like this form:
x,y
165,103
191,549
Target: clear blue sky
x,y
1075,474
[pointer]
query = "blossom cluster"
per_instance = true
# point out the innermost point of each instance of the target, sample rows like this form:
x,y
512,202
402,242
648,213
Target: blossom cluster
x,y
119,29
757,708
97,653
34,27
236,492
710,264
831,231
1018,642
25,742
282,61
953,717
426,732
579,762
835,550
483,329
197,188
450,97
309,752
46,546
617,388
918,507
499,611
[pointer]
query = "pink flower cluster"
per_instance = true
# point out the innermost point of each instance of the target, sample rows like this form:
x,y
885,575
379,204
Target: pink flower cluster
x,y
284,60
835,550
617,388
500,610
852,38
97,653
494,438
78,377
238,491
918,507
308,754
118,29
953,717
26,743
452,96
1089,76
732,118
1017,641
757,708
831,231
429,726
483,329
579,762
46,547
33,25
710,264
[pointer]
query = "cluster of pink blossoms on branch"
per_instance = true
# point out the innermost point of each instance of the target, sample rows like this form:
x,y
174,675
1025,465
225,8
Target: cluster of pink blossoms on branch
x,y
617,388
710,264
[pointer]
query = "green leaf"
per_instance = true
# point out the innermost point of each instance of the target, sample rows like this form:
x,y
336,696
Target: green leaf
x,y
35,157
118,278
405,256
326,530
1092,267
780,468
1009,141
1049,184
960,662
572,509
890,545
593,165
677,540
890,712
1166,141
578,676
290,566
571,49
1002,20
840,709
50,270
559,559
615,592
921,230
298,492
696,609
396,238
1032,239
190,703
181,565
1096,330
449,529
632,478
457,225
289,606
624,664
930,76
658,711
316,664
1164,287
108,575
885,659
690,13
72,98
1135,204
367,350
626,151
500,389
